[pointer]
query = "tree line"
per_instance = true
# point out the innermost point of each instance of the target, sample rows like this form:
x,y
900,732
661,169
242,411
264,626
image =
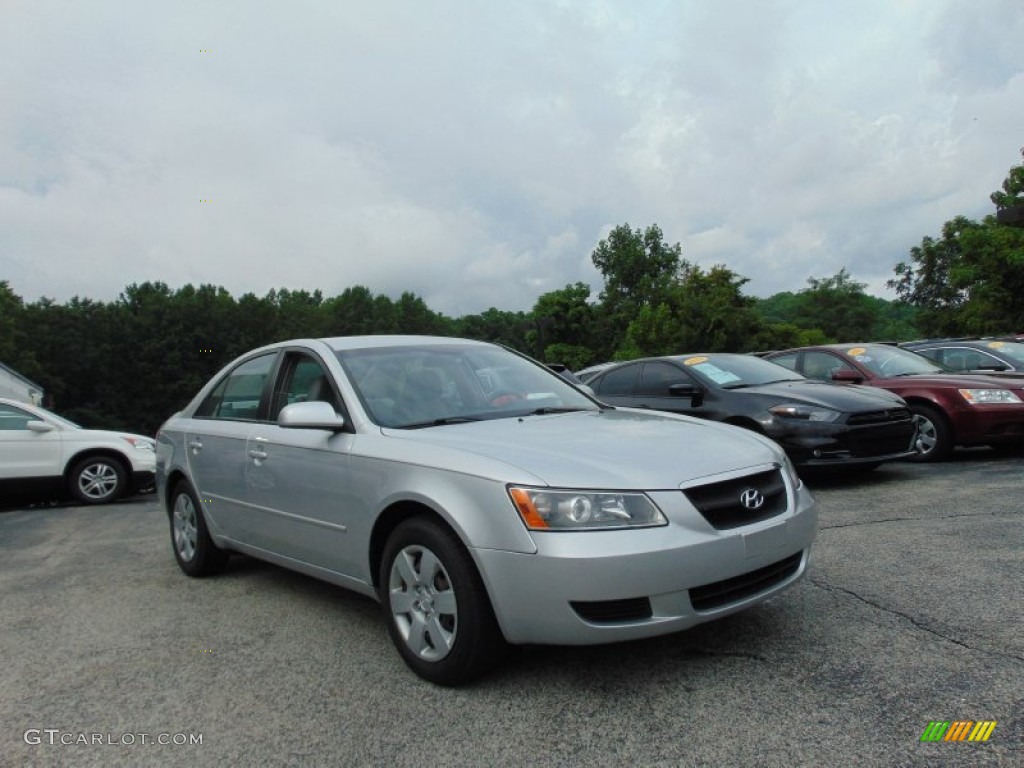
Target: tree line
x,y
131,362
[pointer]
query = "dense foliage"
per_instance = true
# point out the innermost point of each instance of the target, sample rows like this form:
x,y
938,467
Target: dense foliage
x,y
971,279
131,362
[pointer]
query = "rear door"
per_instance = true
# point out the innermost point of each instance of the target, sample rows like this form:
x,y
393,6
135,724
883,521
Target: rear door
x,y
215,442
25,453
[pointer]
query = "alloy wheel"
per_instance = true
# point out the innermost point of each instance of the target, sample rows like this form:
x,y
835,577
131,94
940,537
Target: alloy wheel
x,y
185,528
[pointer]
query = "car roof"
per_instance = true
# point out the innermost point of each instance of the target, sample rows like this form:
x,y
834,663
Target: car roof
x,y
340,343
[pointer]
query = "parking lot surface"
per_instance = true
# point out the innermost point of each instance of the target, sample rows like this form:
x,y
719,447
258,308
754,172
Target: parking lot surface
x,y
912,612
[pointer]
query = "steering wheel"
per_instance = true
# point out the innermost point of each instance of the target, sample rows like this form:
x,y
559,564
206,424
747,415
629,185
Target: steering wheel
x,y
499,399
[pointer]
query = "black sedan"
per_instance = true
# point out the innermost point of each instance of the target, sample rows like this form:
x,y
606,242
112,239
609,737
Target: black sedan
x,y
817,423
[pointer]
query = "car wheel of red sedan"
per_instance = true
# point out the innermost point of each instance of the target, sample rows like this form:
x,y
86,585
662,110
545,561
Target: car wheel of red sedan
x,y
934,437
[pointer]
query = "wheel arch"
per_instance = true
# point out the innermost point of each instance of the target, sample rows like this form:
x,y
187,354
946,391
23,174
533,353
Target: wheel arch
x,y
389,519
91,453
939,409
175,477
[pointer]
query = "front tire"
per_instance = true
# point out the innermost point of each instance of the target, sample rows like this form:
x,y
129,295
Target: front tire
x,y
194,550
934,437
436,606
97,480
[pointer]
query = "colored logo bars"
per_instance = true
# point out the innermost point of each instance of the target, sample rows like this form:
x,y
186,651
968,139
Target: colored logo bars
x,y
959,730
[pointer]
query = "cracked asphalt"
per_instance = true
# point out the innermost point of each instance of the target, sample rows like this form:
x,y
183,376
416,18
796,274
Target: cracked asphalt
x,y
912,612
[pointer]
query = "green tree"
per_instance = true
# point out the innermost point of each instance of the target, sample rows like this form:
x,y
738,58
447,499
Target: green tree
x,y
640,270
566,326
11,309
702,312
1012,192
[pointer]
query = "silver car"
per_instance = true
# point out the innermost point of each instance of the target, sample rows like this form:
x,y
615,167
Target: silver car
x,y
483,500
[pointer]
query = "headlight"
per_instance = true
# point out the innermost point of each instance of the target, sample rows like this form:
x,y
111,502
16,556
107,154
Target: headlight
x,y
140,444
804,412
986,396
548,510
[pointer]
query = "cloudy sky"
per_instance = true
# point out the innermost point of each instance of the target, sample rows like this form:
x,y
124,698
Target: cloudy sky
x,y
475,152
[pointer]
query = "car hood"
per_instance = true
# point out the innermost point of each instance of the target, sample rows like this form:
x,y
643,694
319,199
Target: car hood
x,y
83,435
621,448
951,381
849,399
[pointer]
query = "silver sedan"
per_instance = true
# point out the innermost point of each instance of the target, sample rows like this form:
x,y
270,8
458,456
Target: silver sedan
x,y
481,498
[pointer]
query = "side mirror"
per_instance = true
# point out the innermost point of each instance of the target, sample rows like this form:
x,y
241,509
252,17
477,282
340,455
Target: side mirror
x,y
692,391
315,415
846,376
40,426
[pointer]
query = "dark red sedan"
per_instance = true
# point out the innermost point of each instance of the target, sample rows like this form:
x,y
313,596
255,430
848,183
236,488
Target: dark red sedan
x,y
951,409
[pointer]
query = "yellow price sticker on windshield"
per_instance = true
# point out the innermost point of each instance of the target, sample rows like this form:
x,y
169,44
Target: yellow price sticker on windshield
x,y
694,360
996,344
856,351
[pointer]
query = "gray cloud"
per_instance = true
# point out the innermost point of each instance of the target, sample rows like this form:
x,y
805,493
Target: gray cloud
x,y
476,153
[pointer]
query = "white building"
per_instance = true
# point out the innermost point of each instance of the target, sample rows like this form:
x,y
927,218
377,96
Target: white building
x,y
16,387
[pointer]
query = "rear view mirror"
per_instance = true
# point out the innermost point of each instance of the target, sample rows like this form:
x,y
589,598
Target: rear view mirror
x,y
846,376
692,391
313,415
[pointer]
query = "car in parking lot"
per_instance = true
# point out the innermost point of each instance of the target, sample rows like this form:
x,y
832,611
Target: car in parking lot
x,y
818,424
479,497
43,454
988,355
951,409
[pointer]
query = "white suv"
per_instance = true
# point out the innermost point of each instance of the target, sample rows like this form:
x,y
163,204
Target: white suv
x,y
41,452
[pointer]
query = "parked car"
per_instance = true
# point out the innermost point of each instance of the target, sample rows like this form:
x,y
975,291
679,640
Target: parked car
x,y
586,374
989,355
951,409
818,424
483,500
42,455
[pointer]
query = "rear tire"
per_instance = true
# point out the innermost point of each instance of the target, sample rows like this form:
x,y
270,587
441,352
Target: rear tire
x,y
934,438
436,606
194,550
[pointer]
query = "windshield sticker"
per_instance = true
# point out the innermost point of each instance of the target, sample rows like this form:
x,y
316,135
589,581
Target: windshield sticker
x,y
713,372
996,344
856,351
694,360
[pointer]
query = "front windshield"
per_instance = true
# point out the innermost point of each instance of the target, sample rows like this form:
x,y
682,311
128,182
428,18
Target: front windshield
x,y
418,386
883,360
735,371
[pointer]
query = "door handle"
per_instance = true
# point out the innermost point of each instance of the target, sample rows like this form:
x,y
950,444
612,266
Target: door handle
x,y
258,453
196,445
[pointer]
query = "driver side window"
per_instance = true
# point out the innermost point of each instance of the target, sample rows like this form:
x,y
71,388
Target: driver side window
x,y
303,380
821,365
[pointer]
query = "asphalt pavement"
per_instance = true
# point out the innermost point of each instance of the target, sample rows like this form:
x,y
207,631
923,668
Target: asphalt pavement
x,y
912,612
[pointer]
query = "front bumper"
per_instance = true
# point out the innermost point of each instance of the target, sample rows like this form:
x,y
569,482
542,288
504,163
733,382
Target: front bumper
x,y
985,424
583,588
823,444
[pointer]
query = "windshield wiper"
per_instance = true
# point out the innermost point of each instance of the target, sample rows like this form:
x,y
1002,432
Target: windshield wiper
x,y
556,409
735,386
440,422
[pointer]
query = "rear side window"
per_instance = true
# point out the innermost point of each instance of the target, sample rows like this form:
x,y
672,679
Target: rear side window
x,y
238,395
619,381
786,361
